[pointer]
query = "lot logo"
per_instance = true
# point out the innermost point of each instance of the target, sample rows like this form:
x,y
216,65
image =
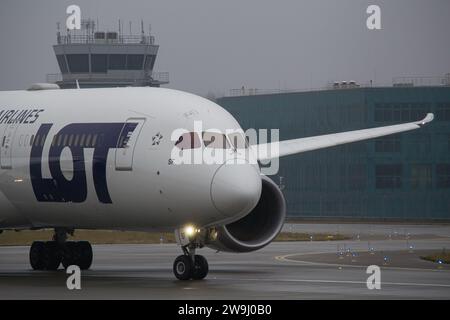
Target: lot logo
x,y
374,280
76,137
374,20
73,21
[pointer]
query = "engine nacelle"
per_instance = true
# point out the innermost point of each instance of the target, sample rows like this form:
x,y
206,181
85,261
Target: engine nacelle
x,y
258,228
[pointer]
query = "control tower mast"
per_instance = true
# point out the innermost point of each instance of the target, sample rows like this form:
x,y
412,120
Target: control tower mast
x,y
97,59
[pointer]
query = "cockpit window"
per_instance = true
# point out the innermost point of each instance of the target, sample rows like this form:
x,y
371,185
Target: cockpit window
x,y
238,141
188,140
215,140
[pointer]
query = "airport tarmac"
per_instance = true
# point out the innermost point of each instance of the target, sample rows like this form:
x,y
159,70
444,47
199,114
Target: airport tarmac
x,y
282,270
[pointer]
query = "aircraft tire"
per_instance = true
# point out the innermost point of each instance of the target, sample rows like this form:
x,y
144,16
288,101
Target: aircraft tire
x,y
51,256
78,253
37,255
85,255
183,268
201,268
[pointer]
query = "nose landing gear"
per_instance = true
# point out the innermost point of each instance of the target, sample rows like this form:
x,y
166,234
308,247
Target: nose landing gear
x,y
190,265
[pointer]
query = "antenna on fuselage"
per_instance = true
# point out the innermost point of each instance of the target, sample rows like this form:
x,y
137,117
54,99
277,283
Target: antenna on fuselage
x,y
78,84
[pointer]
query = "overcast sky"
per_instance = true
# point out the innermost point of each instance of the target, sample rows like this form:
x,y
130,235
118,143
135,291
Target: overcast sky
x,y
213,46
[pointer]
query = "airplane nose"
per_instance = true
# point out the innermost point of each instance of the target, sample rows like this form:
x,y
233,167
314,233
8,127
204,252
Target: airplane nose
x,y
236,189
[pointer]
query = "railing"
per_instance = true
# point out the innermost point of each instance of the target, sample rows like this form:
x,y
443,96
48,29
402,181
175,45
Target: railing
x,y
254,91
421,81
53,77
160,77
396,82
90,39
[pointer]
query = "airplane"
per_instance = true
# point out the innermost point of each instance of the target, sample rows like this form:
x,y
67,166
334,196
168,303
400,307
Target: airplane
x,y
102,158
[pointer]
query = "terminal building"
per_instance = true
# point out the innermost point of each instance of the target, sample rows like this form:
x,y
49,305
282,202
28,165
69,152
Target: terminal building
x,y
400,177
92,58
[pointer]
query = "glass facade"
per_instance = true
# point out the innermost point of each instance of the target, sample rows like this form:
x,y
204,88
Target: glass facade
x,y
404,176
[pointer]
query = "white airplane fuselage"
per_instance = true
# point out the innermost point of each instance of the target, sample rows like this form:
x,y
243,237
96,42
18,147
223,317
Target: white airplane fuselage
x,y
100,158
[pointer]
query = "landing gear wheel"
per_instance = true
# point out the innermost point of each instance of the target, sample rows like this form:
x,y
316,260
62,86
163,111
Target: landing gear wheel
x,y
37,255
200,268
78,253
52,256
85,256
183,268
70,254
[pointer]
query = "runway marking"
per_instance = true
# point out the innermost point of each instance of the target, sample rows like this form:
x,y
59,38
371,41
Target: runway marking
x,y
285,258
410,284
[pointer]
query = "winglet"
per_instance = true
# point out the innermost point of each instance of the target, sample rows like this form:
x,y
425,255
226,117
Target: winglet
x,y
426,120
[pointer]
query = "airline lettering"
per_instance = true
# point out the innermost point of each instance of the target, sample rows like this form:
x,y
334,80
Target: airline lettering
x,y
28,116
57,188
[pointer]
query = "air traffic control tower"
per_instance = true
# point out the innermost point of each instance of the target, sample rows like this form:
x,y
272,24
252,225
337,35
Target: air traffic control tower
x,y
99,59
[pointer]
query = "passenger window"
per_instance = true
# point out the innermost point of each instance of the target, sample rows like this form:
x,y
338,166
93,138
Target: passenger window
x,y
31,140
65,140
83,136
188,140
75,143
215,140
43,140
3,141
70,140
94,140
238,141
88,141
36,140
59,140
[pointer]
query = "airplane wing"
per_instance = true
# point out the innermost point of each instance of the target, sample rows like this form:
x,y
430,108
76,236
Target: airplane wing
x,y
288,147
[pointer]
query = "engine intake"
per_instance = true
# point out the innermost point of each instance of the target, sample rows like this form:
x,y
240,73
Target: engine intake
x,y
258,228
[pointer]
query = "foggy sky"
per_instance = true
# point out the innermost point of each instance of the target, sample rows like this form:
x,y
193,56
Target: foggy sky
x,y
213,46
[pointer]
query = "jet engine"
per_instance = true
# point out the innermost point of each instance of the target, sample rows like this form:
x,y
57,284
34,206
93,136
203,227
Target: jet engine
x,y
258,228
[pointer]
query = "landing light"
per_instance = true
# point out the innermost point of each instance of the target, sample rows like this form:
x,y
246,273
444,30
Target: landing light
x,y
189,230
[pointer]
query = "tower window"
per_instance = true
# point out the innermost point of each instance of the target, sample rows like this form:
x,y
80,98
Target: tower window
x,y
99,63
117,62
135,61
78,63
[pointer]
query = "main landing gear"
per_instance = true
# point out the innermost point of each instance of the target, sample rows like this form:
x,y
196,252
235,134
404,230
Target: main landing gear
x,y
48,255
190,265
